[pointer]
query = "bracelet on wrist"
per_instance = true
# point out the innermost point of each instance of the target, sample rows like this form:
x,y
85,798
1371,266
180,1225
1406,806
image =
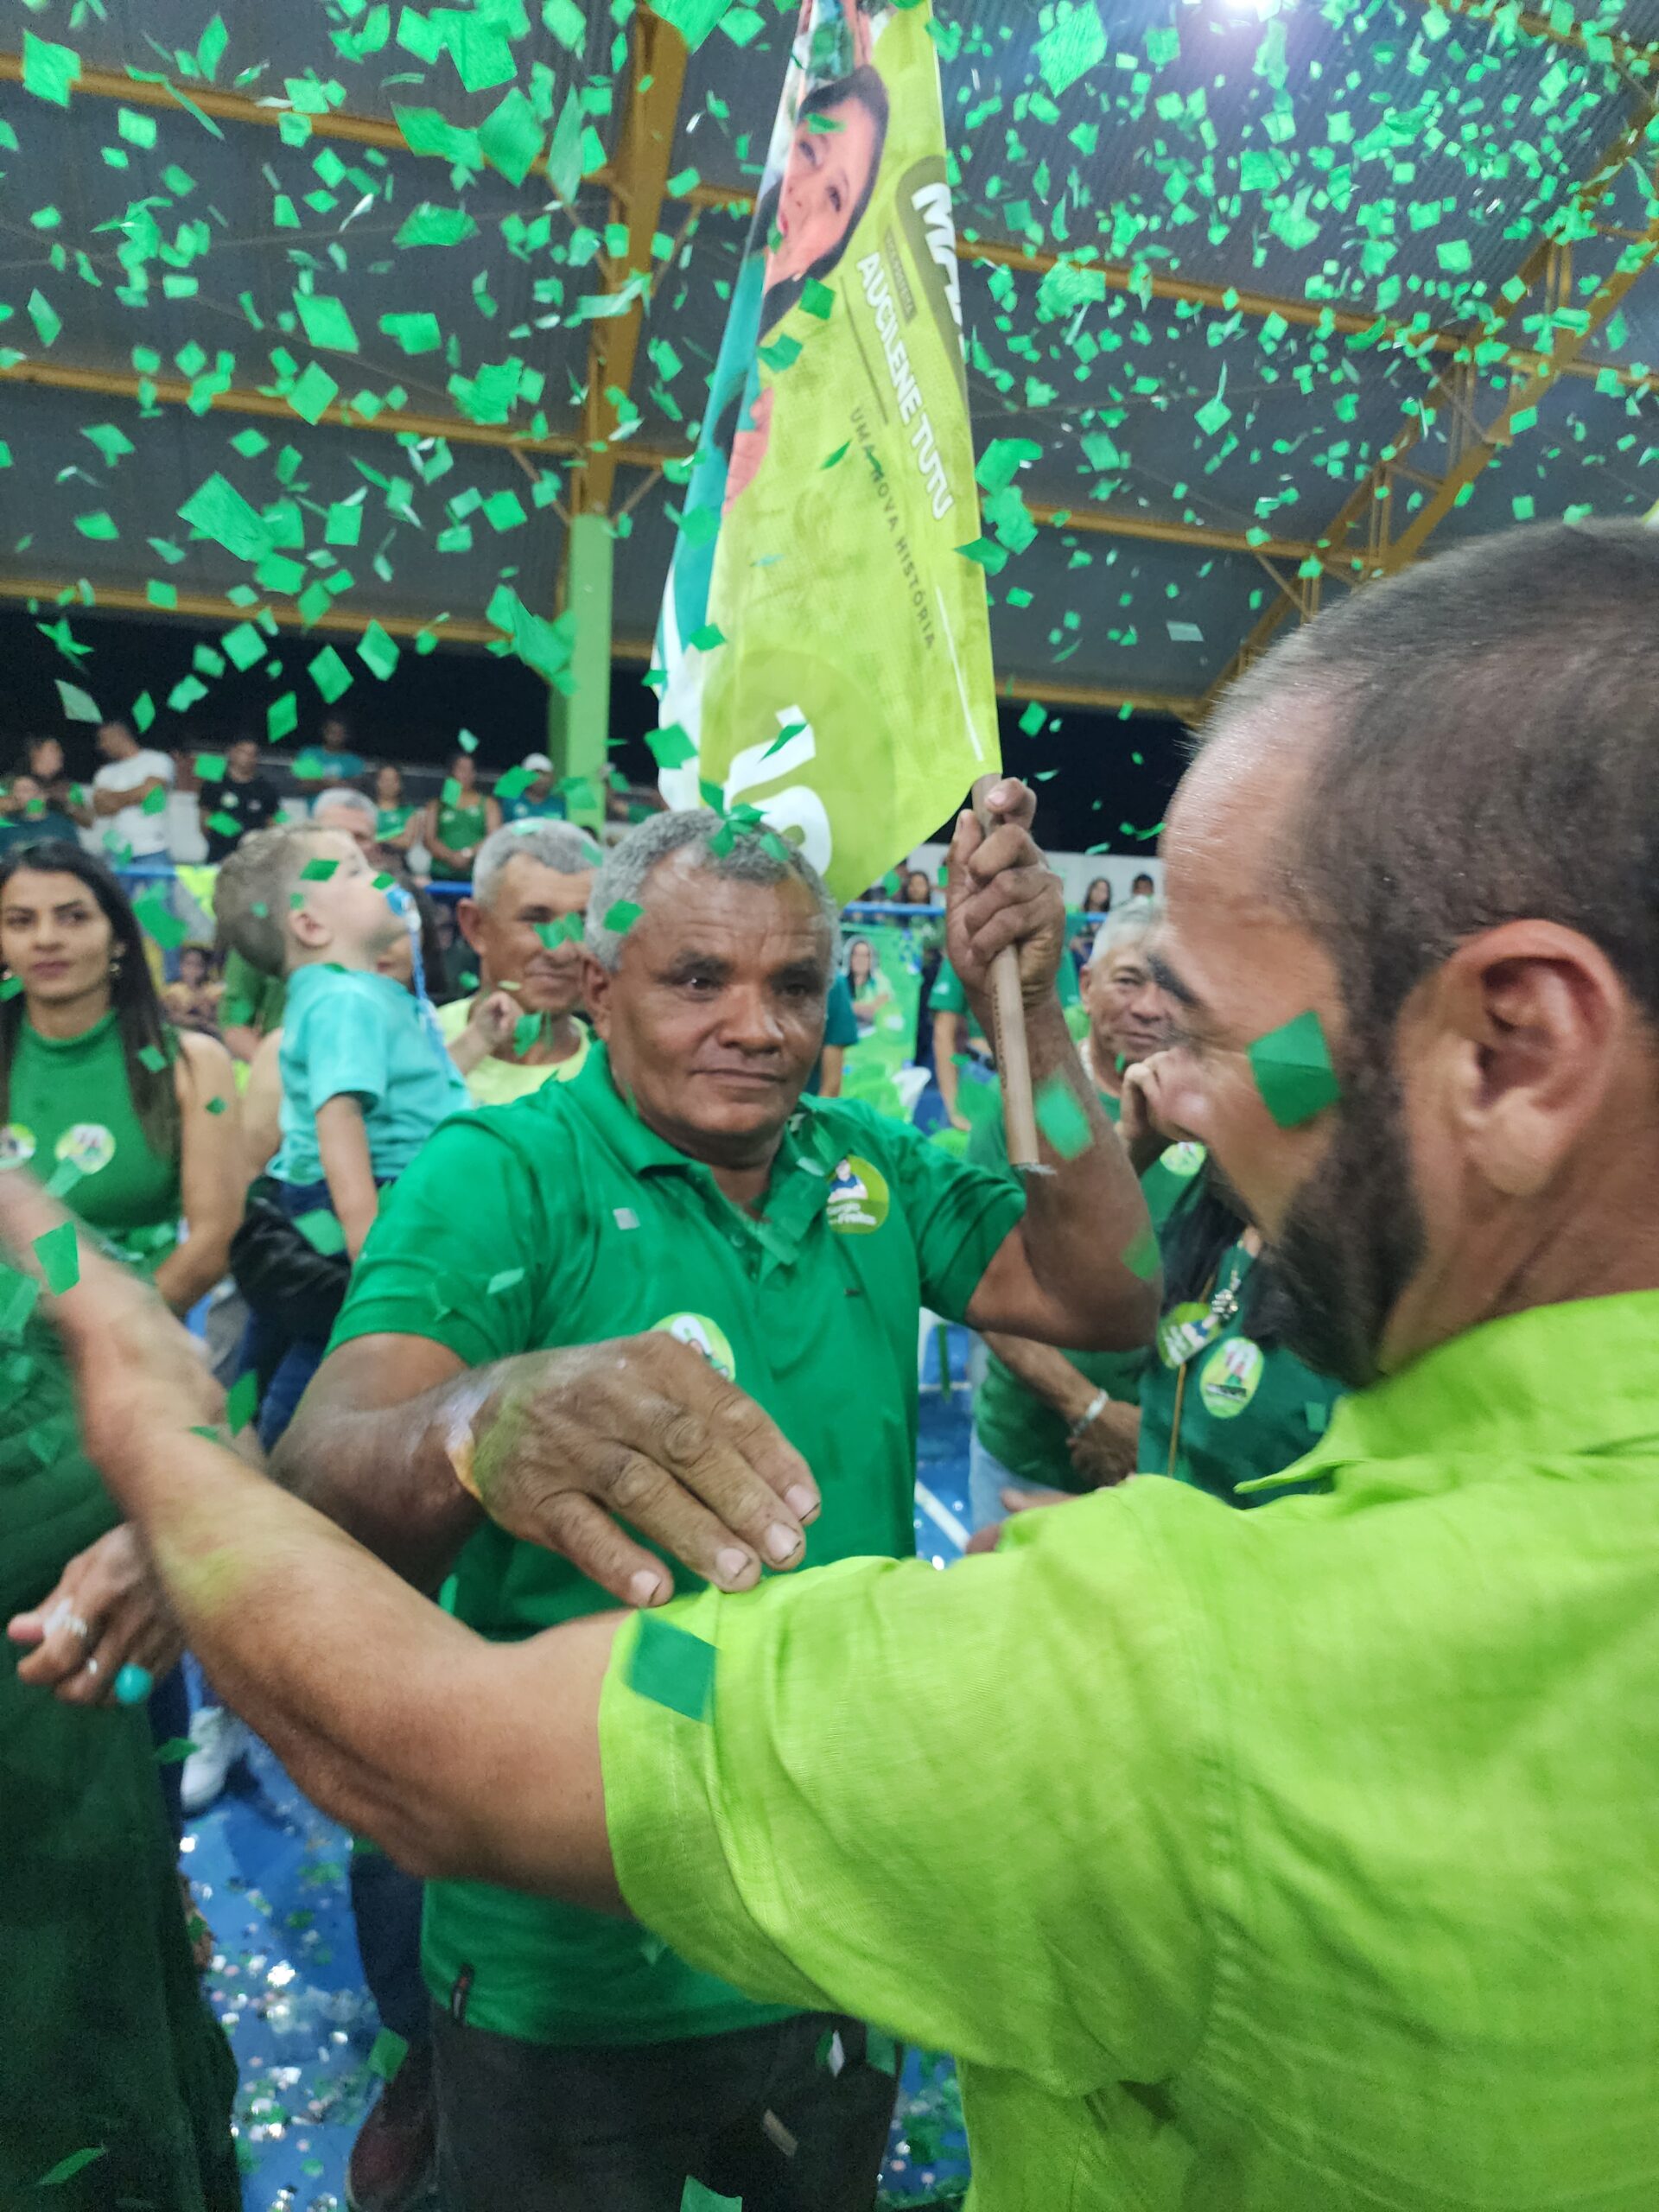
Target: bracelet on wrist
x,y
1091,1412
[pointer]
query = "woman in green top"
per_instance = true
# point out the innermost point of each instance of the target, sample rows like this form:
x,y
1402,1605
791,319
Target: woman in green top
x,y
458,821
396,820
127,1118
113,1112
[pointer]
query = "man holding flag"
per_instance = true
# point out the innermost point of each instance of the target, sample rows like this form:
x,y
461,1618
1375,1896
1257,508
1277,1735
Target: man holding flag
x,y
677,1227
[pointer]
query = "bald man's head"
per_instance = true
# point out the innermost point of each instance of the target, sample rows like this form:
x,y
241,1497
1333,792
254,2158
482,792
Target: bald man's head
x,y
1432,817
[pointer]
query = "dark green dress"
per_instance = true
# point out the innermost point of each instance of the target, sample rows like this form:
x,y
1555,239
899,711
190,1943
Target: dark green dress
x,y
106,2042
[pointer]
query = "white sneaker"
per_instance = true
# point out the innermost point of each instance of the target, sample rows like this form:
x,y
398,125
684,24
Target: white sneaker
x,y
220,1740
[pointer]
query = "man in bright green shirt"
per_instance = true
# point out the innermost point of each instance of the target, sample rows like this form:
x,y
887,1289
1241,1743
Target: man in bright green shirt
x,y
673,1187
961,1041
1299,1860
1046,1420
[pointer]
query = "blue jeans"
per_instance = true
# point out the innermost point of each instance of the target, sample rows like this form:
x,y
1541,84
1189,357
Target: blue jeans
x,y
987,1479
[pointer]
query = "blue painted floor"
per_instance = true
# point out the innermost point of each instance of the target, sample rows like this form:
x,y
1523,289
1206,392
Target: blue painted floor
x,y
270,1873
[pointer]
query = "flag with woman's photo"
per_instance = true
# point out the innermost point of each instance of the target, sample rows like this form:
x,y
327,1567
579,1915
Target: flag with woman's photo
x,y
824,649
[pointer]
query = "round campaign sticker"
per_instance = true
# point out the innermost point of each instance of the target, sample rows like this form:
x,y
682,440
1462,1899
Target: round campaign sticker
x,y
859,1199
16,1144
87,1145
1231,1377
1182,1159
704,1336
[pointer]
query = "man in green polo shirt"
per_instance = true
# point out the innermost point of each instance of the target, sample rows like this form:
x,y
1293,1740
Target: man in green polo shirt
x,y
1046,1419
962,1043
675,1185
1299,1860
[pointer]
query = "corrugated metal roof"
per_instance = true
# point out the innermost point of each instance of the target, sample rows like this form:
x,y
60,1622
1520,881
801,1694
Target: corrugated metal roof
x,y
1376,154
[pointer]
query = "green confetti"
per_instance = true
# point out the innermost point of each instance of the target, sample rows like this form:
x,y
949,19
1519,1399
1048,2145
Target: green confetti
x,y
79,706
387,2054
507,1280
1062,1118
623,916
881,2051
840,454
697,2198
430,225
672,1667
152,1058
45,317
67,2168
177,1749
377,651
243,1402
330,675
318,870
706,640
818,299
61,1266
325,322
1292,1070
51,72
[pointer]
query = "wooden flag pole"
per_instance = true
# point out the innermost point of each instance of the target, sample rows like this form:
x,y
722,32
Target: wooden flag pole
x,y
1009,1019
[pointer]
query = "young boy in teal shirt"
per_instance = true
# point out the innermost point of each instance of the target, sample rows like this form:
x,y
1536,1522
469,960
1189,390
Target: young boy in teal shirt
x,y
366,1077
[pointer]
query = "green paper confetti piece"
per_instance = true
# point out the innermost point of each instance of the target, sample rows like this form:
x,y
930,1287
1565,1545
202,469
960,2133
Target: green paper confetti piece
x,y
671,746
672,1667
881,2051
330,675
321,1230
155,802
698,2198
218,1105
318,870
416,332
218,511
818,299
1317,1415
11,987
525,1030
60,1261
387,2054
79,706
177,1749
432,225
210,767
707,638
377,651
1292,1070
1140,1255
623,916
325,322
243,1402
839,454
51,72
505,1281
1033,718
160,922
152,1058
315,393
67,2168
1062,1118
383,882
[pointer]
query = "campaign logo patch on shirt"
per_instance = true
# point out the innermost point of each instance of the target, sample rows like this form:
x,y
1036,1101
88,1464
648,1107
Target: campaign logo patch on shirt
x,y
85,1145
859,1199
16,1144
1182,1159
1231,1377
704,1336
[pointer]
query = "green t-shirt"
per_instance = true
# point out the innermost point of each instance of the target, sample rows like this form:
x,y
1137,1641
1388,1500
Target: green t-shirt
x,y
1299,1861
523,807
462,829
1244,1410
252,1000
392,821
1017,1427
71,1102
563,1220
949,996
352,1034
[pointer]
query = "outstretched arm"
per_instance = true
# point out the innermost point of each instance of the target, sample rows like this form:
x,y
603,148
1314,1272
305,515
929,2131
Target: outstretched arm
x,y
460,1757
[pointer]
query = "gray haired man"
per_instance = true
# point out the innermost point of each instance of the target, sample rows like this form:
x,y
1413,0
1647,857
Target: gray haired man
x,y
530,886
591,1302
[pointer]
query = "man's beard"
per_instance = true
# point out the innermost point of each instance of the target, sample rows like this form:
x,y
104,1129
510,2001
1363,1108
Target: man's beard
x,y
1352,1236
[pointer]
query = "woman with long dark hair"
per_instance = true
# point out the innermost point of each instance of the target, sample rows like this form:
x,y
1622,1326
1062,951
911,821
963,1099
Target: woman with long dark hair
x,y
127,1117
113,1111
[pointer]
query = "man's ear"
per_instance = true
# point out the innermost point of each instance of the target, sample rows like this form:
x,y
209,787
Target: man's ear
x,y
596,982
1533,1023
467,921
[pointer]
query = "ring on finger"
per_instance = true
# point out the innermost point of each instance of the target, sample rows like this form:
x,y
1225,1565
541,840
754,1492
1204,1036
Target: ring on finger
x,y
93,1669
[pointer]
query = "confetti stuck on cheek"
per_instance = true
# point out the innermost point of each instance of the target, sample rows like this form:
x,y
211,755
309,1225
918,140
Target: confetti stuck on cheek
x,y
1292,1070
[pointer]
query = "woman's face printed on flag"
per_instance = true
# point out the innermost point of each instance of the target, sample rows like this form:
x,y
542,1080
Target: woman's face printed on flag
x,y
825,180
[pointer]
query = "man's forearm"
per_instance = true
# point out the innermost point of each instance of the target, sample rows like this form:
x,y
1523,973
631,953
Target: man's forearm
x,y
369,1694
1085,1216
1046,1372
383,1473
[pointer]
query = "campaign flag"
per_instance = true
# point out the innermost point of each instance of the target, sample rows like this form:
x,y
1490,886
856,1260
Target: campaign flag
x,y
825,650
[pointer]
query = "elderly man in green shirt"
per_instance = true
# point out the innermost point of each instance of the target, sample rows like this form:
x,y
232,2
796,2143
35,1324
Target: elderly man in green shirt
x,y
1300,1861
677,1185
